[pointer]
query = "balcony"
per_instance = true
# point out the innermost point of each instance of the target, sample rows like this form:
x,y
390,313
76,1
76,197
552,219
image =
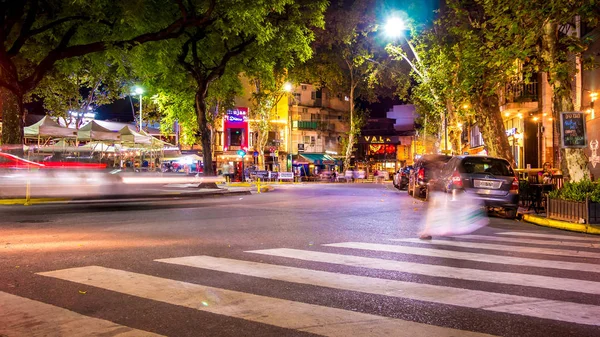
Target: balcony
x,y
313,125
520,96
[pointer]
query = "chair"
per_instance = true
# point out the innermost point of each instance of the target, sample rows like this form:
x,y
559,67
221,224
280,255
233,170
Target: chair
x,y
558,181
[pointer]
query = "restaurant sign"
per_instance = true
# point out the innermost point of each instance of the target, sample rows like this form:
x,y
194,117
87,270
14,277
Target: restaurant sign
x,y
572,127
379,140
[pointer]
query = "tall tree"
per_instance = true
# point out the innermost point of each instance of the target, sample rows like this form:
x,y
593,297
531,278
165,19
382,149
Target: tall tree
x,y
346,58
78,86
545,34
36,34
245,36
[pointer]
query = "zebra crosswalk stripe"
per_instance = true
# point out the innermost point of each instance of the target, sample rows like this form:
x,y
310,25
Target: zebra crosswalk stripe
x,y
555,242
546,282
21,316
553,236
496,302
478,257
300,316
499,246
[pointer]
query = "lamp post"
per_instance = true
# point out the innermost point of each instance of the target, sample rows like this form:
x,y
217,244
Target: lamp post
x,y
394,28
139,91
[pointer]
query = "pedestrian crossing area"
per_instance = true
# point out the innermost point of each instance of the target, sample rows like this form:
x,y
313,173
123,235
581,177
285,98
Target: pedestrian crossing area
x,y
474,276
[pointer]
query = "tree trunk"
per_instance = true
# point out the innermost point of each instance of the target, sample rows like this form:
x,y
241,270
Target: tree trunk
x,y
11,106
489,119
454,131
203,129
573,162
352,133
263,137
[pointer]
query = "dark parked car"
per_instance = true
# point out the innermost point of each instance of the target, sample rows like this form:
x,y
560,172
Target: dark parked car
x,y
400,179
487,178
424,174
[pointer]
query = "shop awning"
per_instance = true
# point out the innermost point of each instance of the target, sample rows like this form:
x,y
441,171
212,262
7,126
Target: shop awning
x,y
319,158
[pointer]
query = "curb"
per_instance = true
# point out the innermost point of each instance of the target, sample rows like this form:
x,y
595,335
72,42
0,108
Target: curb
x,y
32,201
569,226
121,198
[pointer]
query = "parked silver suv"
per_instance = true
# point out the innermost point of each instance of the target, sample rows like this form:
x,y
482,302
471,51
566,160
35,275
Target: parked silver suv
x,y
487,178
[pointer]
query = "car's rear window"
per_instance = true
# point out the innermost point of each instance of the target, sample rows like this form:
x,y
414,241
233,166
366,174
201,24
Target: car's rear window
x,y
483,165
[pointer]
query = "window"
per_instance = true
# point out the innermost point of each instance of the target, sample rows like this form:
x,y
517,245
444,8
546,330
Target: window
x,y
304,87
304,110
236,137
297,97
484,165
306,139
476,138
312,140
313,95
313,117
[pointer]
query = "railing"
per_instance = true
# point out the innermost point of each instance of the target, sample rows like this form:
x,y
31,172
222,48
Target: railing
x,y
313,125
521,92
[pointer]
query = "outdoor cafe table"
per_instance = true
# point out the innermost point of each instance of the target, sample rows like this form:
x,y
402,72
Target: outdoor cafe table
x,y
538,191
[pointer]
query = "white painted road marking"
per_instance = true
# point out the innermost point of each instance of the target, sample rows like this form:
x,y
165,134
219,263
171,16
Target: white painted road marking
x,y
512,304
508,240
498,246
21,316
553,236
478,257
439,271
277,312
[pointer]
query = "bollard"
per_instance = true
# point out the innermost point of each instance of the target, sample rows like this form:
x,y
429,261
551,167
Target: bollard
x,y
27,194
258,185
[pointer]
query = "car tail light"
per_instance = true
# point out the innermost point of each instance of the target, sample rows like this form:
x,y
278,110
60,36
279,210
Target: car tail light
x,y
514,187
421,173
402,174
457,180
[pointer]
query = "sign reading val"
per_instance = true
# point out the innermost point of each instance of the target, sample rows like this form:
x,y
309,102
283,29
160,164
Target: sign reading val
x,y
572,127
380,140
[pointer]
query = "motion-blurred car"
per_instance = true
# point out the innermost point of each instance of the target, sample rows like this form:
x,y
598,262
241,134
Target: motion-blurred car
x,y
487,178
12,162
400,178
424,174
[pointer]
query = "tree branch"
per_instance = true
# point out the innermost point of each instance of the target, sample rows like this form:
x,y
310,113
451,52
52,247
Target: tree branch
x,y
219,70
25,29
61,52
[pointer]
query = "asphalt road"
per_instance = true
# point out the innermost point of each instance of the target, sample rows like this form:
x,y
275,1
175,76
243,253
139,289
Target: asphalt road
x,y
335,260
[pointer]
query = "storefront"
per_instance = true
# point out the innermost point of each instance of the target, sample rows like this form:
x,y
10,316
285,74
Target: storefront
x,y
308,164
379,153
235,130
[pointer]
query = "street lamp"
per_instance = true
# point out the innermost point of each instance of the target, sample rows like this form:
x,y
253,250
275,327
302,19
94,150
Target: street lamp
x,y
139,91
395,27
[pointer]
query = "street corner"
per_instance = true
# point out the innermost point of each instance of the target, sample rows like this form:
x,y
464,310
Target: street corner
x,y
565,225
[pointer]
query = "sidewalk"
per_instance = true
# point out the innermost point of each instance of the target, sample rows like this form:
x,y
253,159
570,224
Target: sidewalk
x,y
540,219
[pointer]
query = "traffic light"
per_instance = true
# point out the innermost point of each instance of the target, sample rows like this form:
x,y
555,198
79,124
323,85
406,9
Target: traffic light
x,y
241,153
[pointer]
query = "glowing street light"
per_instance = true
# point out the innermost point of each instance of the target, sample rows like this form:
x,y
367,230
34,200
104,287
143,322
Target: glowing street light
x,y
394,26
287,87
139,91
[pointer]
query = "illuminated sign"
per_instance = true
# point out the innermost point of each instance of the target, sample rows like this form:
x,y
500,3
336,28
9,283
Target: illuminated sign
x,y
237,116
380,139
594,158
511,132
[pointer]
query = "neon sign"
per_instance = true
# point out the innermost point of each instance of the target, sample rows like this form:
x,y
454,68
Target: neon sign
x,y
237,116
